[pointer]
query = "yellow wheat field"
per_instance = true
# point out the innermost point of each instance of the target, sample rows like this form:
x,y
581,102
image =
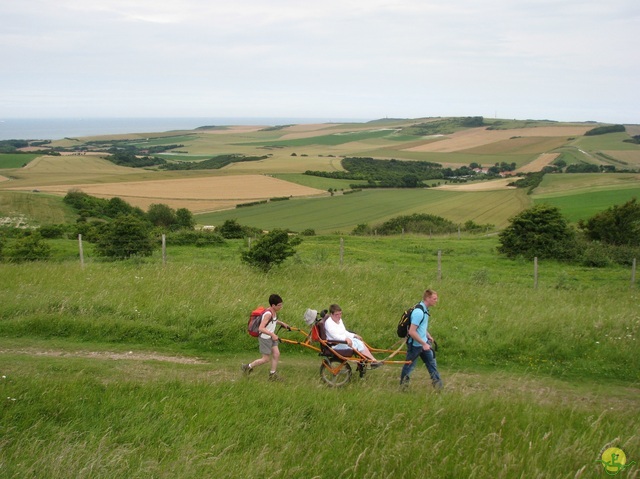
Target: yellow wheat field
x,y
539,163
196,194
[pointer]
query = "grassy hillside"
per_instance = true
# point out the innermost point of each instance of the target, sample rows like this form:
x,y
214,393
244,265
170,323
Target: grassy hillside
x,y
132,369
35,209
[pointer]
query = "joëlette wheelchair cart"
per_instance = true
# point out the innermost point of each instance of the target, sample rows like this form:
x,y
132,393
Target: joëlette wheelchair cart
x,y
336,368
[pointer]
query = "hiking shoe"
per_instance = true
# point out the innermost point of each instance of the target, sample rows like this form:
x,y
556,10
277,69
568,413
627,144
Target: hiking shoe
x,y
246,369
375,364
274,377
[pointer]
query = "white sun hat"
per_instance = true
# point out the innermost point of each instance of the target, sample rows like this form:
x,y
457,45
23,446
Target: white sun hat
x,y
310,316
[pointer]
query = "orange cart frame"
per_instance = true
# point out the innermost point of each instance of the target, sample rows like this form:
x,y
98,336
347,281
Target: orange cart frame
x,y
338,364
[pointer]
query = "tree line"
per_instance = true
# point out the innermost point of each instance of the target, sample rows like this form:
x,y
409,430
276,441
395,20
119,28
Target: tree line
x,y
374,173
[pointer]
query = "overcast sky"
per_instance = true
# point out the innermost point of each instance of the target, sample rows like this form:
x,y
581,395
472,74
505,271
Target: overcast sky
x,y
564,60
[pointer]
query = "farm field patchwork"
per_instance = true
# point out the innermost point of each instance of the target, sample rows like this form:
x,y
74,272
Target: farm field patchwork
x,y
293,149
476,137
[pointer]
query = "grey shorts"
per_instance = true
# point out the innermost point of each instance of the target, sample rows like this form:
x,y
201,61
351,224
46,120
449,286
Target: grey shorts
x,y
266,345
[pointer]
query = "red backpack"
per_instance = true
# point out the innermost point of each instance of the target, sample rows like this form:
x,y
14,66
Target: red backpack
x,y
255,318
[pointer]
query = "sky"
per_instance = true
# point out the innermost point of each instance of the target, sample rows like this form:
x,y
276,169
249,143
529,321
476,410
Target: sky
x,y
562,60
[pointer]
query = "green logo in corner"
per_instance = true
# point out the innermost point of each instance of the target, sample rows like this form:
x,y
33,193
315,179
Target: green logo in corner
x,y
614,460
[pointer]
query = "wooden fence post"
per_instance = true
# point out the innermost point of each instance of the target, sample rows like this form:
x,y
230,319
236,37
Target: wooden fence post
x,y
633,272
439,264
341,250
164,249
81,251
535,272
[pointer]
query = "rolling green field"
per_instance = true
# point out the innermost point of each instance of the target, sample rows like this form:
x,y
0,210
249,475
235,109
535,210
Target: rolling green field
x,y
580,206
580,196
343,212
12,161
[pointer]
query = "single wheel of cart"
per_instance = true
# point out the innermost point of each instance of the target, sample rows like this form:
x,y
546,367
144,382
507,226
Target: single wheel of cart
x,y
335,372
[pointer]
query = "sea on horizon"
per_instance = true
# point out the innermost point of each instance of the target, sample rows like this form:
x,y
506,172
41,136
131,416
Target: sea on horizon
x,y
59,128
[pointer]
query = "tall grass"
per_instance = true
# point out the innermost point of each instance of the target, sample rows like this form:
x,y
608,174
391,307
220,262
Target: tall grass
x,y
73,418
131,369
578,322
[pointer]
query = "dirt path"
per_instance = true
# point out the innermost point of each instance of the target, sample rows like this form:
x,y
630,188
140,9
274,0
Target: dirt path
x,y
104,355
540,389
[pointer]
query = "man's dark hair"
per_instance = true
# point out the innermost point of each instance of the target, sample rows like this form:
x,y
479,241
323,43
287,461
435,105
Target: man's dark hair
x,y
274,299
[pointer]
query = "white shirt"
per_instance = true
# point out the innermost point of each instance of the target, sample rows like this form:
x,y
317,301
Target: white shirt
x,y
271,325
337,331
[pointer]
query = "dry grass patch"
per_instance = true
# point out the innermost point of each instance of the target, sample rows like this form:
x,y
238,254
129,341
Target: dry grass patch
x,y
233,130
631,157
296,132
633,130
492,185
285,163
539,163
475,137
519,145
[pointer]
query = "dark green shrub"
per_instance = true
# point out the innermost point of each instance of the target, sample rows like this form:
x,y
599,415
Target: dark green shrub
x,y
231,229
540,231
191,237
271,250
618,225
125,237
53,231
29,248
